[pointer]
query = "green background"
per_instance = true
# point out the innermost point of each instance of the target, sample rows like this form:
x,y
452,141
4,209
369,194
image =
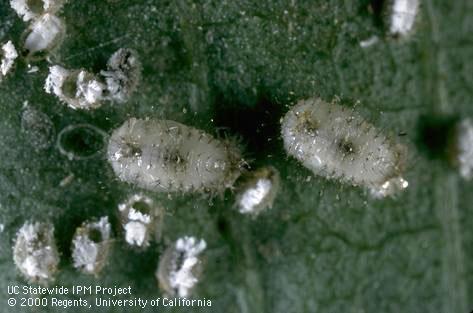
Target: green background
x,y
238,66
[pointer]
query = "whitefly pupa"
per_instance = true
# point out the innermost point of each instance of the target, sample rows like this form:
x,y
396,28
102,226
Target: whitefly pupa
x,y
35,253
141,220
167,156
32,9
43,36
402,16
91,245
337,143
79,89
180,266
8,55
123,74
256,190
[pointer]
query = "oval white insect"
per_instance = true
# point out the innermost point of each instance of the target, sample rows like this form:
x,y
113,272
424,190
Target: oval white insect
x,y
35,253
123,74
167,156
141,220
403,16
337,143
30,9
180,268
44,35
91,245
256,190
8,56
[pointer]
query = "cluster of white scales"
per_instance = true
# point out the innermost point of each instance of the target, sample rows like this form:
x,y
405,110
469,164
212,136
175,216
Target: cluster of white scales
x,y
166,156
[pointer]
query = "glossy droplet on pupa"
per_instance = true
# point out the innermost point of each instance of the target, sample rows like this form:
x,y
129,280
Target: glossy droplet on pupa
x,y
337,143
166,156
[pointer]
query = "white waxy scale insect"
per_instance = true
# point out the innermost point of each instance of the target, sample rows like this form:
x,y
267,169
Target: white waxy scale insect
x,y
123,74
166,156
44,34
337,143
8,55
257,190
35,253
403,15
464,148
90,246
180,268
79,89
31,9
141,220
83,90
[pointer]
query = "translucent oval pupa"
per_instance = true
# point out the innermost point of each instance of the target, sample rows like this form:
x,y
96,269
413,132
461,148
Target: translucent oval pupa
x,y
167,156
337,143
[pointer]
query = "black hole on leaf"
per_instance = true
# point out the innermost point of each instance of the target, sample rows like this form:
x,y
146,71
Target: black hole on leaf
x,y
258,124
435,135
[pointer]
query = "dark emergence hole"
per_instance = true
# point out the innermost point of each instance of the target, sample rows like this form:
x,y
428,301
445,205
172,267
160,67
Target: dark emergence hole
x,y
142,207
36,6
95,235
435,135
258,124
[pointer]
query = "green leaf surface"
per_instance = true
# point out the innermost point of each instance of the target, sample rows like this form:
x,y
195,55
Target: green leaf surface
x,y
238,66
